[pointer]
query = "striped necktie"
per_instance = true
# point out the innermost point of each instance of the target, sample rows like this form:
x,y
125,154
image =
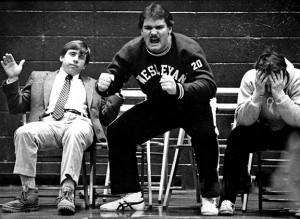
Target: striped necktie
x,y
58,111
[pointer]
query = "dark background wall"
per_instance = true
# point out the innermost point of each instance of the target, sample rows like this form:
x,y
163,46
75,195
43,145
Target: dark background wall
x,y
232,33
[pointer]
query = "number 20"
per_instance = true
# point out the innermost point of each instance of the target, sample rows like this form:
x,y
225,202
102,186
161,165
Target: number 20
x,y
196,64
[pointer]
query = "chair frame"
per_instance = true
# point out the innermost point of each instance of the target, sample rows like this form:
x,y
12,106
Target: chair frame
x,y
178,147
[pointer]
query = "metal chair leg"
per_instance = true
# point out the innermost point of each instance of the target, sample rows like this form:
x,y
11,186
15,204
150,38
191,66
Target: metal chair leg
x,y
106,184
92,176
164,168
171,179
259,181
149,174
84,179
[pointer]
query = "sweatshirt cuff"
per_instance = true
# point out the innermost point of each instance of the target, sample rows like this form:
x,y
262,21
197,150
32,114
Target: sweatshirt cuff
x,y
279,97
256,99
180,91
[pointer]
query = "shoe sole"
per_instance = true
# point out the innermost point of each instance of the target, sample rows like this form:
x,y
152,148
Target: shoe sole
x,y
66,210
126,209
226,213
115,210
6,209
210,214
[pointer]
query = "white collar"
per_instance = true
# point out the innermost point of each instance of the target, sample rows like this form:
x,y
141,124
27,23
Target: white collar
x,y
64,74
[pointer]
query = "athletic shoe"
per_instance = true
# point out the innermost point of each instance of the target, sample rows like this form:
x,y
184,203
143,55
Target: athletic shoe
x,y
130,202
66,204
26,202
209,206
227,208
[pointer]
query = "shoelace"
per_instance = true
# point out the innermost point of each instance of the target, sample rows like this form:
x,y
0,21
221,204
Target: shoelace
x,y
227,204
22,198
65,194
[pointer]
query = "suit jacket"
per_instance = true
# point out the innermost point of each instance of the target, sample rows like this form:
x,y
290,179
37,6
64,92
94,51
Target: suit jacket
x,y
34,97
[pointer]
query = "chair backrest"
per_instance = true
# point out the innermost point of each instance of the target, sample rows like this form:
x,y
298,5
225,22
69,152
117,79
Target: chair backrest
x,y
24,119
214,106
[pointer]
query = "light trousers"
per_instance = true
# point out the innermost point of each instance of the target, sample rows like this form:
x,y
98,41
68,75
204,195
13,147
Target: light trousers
x,y
73,134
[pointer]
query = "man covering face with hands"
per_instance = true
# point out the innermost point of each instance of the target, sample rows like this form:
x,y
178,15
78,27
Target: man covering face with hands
x,y
267,117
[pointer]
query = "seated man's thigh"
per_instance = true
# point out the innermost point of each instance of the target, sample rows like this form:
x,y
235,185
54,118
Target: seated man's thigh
x,y
40,134
80,130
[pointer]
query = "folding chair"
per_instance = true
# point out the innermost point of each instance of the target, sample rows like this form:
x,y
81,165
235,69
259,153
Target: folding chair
x,y
245,196
264,194
178,148
142,149
90,189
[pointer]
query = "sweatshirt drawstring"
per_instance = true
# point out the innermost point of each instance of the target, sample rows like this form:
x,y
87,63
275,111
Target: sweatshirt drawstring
x,y
270,102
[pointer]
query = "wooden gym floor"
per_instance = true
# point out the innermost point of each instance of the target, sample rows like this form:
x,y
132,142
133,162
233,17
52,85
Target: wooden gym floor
x,y
182,205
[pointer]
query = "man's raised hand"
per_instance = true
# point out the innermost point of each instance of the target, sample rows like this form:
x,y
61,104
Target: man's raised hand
x,y
10,66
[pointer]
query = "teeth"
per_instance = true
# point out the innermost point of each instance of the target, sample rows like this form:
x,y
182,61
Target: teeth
x,y
154,40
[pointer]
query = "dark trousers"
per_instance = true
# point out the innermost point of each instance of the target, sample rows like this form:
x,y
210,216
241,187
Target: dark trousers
x,y
242,141
147,120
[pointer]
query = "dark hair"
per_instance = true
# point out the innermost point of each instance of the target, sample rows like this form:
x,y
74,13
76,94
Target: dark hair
x,y
77,45
156,11
271,61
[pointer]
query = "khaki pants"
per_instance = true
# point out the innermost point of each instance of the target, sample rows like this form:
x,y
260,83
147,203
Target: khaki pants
x,y
73,134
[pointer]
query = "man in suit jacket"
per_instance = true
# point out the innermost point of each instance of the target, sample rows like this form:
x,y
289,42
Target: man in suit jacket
x,y
72,125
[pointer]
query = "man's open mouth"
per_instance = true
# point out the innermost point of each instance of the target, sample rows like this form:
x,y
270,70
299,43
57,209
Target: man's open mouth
x,y
154,40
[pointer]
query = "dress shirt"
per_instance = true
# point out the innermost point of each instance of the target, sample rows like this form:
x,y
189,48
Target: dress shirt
x,y
77,96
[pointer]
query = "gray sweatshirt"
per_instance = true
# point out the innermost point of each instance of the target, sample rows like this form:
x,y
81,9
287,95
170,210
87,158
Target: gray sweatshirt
x,y
275,112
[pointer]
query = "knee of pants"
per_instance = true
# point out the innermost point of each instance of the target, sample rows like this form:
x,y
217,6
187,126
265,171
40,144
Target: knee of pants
x,y
82,135
21,135
116,132
204,136
78,134
293,141
22,131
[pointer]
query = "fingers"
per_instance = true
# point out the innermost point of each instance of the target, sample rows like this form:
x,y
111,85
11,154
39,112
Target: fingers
x,y
265,79
277,77
165,81
261,78
104,81
271,78
168,84
22,62
7,58
281,76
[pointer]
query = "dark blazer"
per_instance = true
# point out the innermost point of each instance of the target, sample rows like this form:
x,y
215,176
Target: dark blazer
x,y
34,97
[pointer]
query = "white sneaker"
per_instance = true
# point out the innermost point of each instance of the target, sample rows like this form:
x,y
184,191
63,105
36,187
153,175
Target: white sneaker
x,y
209,206
130,202
227,208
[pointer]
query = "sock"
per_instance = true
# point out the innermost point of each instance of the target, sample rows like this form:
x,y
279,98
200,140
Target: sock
x,y
69,182
28,182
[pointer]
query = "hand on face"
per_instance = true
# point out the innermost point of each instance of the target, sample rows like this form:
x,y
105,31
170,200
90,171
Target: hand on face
x,y
278,82
168,84
260,83
10,66
104,81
